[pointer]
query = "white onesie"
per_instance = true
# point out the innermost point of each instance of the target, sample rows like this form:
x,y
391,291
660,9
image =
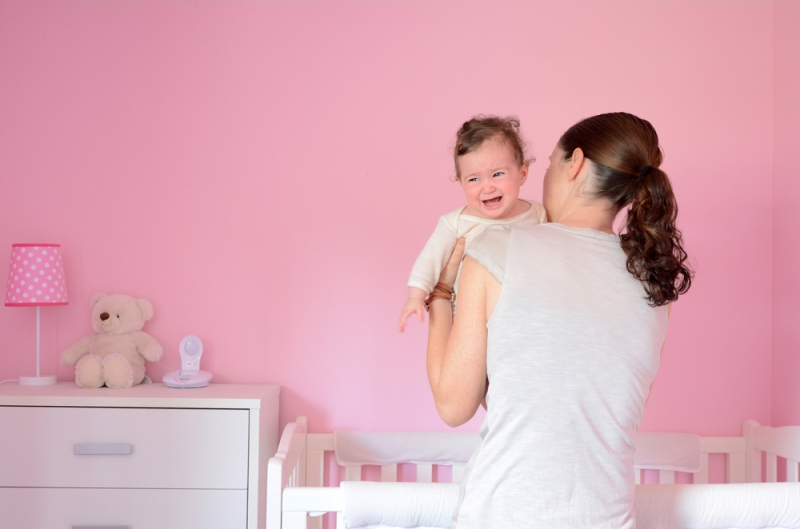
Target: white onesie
x,y
453,226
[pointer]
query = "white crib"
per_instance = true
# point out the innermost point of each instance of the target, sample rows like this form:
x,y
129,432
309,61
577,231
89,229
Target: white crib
x,y
296,495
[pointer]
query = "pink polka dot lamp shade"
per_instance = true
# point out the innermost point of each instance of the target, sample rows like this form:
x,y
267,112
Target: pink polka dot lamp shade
x,y
36,276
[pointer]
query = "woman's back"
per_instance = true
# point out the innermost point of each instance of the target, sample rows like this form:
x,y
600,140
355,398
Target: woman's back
x,y
574,337
573,347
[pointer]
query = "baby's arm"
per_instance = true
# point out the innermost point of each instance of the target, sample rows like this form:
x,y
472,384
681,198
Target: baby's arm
x,y
428,267
414,305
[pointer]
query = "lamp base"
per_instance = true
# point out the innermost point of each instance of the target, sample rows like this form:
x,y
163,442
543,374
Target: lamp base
x,y
38,381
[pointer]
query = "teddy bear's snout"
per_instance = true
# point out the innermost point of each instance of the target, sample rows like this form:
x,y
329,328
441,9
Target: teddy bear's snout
x,y
104,316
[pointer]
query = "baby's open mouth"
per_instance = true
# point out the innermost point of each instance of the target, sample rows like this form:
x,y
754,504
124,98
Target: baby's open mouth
x,y
492,201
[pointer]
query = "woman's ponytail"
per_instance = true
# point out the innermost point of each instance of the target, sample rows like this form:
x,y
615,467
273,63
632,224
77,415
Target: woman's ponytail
x,y
626,157
651,240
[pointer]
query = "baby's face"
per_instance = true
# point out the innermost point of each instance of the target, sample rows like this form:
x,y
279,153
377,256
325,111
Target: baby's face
x,y
491,178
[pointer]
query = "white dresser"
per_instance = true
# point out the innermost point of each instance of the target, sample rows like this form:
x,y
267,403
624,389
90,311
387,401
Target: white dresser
x,y
148,457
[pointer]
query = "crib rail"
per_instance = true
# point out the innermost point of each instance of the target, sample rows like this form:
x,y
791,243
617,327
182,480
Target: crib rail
x,y
783,442
286,469
733,448
303,505
318,444
297,495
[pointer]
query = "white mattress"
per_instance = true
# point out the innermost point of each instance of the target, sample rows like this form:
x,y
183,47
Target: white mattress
x,y
733,505
740,506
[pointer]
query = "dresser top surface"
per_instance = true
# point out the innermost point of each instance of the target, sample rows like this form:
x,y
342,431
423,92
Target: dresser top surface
x,y
157,395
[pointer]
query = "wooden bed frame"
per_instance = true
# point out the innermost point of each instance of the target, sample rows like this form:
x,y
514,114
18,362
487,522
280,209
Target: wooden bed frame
x,y
297,495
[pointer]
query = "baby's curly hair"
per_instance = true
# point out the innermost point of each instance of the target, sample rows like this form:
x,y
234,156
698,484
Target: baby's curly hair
x,y
480,128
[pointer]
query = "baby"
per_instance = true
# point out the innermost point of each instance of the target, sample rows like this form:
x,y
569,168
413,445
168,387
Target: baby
x,y
491,167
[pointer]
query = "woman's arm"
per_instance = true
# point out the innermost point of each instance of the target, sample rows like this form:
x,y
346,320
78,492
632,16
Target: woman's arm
x,y
457,350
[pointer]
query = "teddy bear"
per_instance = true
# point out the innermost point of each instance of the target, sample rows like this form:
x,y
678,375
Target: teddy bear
x,y
114,356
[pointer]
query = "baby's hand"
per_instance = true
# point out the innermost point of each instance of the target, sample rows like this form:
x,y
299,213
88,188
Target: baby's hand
x,y
413,305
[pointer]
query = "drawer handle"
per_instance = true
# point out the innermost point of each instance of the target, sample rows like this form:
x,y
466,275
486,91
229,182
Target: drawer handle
x,y
101,527
102,449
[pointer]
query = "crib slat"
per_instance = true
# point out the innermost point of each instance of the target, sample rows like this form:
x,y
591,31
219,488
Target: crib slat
x,y
353,473
736,468
300,470
753,455
314,467
389,473
791,471
458,473
424,473
314,522
315,462
702,476
637,473
772,468
666,477
316,446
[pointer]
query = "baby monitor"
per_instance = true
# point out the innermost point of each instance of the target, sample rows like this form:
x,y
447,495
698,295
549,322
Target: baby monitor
x,y
190,375
191,350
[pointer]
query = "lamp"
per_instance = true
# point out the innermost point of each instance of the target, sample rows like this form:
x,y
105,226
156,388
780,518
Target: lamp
x,y
36,279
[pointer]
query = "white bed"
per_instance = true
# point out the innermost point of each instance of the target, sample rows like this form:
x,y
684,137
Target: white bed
x,y
751,496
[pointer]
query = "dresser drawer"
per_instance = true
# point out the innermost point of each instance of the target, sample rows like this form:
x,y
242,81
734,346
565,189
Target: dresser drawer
x,y
134,508
169,448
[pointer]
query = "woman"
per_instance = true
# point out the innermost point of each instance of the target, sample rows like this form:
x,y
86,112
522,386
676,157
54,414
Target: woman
x,y
565,322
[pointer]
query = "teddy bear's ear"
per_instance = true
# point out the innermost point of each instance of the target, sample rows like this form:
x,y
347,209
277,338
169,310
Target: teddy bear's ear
x,y
97,297
146,308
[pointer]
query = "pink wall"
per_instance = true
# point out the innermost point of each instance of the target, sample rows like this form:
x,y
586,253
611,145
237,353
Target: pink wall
x,y
266,172
786,215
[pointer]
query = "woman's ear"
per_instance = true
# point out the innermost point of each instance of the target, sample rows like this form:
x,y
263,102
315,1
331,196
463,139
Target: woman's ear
x,y
576,163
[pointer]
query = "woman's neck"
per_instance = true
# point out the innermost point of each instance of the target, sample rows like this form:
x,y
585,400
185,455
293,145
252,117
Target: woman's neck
x,y
591,216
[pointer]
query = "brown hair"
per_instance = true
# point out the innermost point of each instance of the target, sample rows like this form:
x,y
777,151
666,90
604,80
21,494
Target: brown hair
x,y
625,156
480,128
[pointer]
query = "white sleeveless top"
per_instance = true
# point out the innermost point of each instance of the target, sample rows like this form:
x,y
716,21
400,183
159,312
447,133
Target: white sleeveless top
x,y
572,350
